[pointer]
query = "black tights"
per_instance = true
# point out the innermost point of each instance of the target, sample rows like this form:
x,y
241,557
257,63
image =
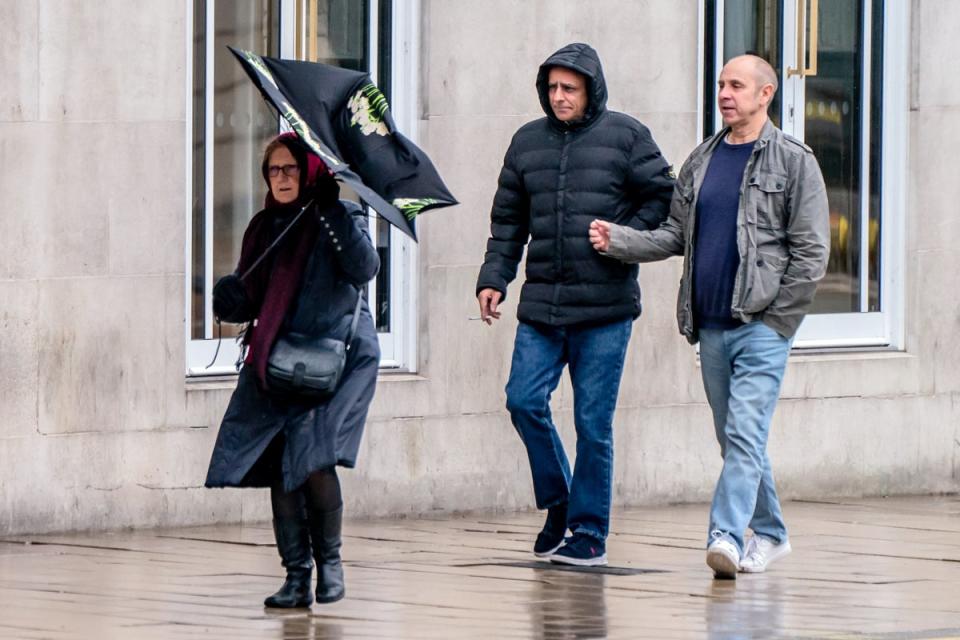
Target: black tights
x,y
321,492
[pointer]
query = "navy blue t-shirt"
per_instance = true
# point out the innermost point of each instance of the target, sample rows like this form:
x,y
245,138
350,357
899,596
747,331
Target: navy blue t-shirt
x,y
715,255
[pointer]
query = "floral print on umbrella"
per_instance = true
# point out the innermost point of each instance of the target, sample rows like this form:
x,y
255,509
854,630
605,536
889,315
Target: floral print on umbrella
x,y
369,109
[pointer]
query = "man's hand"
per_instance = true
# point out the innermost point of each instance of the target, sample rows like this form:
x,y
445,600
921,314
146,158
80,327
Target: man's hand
x,y
489,299
600,235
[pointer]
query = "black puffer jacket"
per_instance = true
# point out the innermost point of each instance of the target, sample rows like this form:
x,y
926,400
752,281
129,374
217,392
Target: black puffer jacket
x,y
558,177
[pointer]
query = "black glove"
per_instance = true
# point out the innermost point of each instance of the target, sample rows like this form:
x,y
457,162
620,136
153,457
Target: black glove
x,y
326,190
230,298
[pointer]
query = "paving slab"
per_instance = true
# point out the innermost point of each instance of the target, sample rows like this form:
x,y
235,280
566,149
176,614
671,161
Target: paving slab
x,y
886,568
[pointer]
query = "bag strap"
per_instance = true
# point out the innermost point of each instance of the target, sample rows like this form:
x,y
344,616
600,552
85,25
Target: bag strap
x,y
275,243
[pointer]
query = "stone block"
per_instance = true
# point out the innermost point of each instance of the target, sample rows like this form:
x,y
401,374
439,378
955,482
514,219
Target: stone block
x,y
117,207
664,454
470,361
862,446
18,53
855,374
481,58
660,369
935,27
111,63
111,354
147,211
468,152
109,481
939,322
934,189
675,132
62,229
648,49
449,463
18,358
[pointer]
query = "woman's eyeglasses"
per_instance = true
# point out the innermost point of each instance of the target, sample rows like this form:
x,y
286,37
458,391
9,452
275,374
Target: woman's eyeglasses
x,y
289,170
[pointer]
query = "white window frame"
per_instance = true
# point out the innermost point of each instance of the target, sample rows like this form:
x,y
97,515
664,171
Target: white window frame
x,y
883,329
399,346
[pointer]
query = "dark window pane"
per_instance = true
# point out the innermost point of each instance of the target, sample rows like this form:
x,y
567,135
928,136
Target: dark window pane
x,y
385,49
338,34
876,127
382,312
243,124
754,26
198,197
833,129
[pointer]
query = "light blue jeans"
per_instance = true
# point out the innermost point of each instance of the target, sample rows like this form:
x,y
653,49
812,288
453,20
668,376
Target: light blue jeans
x,y
742,370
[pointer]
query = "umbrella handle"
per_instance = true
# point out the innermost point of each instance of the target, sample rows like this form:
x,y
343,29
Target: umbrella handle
x,y
276,242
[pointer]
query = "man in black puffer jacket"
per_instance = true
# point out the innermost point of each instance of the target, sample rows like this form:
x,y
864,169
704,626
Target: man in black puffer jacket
x,y
579,163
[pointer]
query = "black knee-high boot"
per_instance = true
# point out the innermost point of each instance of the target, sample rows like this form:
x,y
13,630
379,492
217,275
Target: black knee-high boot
x,y
325,528
293,544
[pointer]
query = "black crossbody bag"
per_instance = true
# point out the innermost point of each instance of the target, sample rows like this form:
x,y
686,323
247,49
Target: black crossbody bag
x,y
309,367
302,366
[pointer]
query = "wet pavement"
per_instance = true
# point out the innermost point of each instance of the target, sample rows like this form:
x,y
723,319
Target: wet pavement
x,y
870,568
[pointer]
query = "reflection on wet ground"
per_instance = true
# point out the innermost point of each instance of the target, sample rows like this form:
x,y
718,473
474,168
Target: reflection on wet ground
x,y
871,568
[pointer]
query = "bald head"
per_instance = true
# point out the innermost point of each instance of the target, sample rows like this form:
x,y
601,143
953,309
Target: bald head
x,y
744,91
761,70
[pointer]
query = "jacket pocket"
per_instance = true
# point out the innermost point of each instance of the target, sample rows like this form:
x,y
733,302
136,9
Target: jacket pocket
x,y
765,273
769,197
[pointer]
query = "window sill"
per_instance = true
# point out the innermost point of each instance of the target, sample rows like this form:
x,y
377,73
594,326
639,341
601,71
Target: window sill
x,y
229,381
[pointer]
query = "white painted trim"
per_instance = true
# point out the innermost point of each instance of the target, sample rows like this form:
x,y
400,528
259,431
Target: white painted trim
x,y
208,148
792,89
701,72
373,38
188,181
406,112
718,59
830,330
895,165
288,28
865,138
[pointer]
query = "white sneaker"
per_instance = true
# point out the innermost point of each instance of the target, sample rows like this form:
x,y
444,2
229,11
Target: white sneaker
x,y
761,552
724,558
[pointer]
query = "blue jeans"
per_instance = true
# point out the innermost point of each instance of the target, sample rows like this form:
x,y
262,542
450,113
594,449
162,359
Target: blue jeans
x,y
742,370
595,355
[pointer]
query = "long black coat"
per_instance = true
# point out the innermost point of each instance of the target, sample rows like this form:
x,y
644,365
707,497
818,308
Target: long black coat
x,y
248,452
556,179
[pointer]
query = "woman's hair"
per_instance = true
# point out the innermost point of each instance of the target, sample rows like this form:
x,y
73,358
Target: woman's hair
x,y
296,150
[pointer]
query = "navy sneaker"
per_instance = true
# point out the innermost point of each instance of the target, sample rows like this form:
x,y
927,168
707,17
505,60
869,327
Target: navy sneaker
x,y
581,550
554,529
547,543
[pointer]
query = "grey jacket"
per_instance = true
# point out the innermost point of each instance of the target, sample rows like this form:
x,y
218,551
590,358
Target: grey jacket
x,y
783,232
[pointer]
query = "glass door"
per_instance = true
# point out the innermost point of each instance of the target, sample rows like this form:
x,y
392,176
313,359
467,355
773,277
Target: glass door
x,y
828,55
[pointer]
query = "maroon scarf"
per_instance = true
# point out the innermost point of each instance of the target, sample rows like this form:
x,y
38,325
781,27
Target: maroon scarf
x,y
274,284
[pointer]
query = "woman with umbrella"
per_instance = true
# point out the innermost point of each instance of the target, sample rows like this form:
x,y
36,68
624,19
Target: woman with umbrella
x,y
310,284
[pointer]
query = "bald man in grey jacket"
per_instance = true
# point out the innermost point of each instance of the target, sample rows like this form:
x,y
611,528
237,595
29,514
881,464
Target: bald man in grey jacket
x,y
749,215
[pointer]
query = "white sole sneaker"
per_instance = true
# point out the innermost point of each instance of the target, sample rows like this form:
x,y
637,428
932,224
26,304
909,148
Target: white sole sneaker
x,y
580,562
772,554
548,554
723,563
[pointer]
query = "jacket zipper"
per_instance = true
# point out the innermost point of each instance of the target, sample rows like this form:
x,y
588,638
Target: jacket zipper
x,y
561,185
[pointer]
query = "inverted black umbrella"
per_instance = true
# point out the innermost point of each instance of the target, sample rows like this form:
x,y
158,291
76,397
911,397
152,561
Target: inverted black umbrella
x,y
344,119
